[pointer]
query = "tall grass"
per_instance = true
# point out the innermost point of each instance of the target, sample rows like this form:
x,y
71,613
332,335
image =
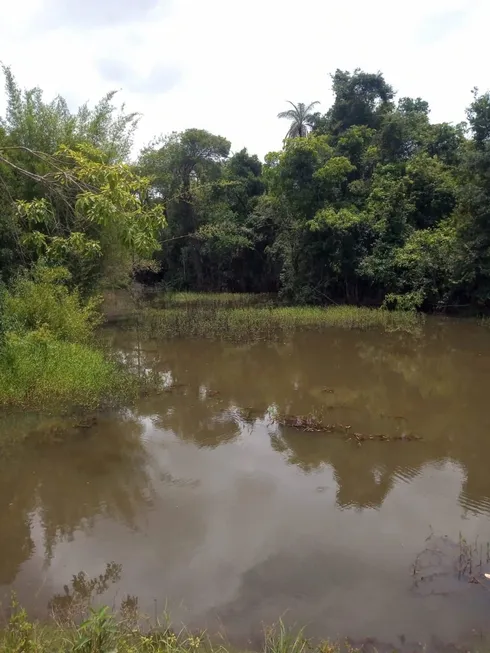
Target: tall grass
x,y
102,632
48,354
40,372
211,300
258,323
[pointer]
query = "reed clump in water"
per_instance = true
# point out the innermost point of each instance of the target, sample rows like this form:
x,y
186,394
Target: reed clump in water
x,y
212,300
253,323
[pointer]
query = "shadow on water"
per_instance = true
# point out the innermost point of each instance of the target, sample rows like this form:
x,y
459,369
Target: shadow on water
x,y
206,501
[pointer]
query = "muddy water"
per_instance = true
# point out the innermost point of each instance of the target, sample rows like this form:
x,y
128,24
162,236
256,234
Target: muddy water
x,y
197,502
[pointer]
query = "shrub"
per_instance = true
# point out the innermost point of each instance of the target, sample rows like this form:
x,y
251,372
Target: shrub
x,y
43,300
47,357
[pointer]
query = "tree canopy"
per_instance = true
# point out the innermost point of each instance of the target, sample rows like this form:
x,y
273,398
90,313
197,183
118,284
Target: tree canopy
x,y
368,203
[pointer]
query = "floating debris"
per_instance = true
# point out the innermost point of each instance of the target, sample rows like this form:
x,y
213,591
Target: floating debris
x,y
311,424
302,422
250,414
174,386
381,437
87,422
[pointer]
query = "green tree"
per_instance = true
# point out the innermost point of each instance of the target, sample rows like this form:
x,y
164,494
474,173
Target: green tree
x,y
87,210
360,99
36,175
472,214
182,166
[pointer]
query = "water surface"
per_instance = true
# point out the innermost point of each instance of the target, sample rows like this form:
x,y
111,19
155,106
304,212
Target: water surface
x,y
202,505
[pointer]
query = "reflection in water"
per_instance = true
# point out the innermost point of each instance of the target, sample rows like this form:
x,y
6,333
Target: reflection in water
x,y
208,503
64,486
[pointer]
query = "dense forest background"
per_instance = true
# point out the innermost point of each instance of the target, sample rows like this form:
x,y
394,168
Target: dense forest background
x,y
369,203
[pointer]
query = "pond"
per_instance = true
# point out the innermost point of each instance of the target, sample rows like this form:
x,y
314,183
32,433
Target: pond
x,y
198,502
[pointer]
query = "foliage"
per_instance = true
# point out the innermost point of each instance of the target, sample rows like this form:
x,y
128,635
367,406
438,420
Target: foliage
x,y
47,357
38,371
367,204
42,126
89,207
370,203
212,300
69,197
42,300
213,237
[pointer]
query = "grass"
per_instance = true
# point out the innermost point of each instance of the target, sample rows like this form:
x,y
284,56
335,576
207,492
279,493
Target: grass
x,y
261,323
49,356
211,300
102,632
40,372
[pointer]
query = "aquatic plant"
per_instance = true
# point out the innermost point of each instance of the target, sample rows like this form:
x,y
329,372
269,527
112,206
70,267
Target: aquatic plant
x,y
268,323
212,300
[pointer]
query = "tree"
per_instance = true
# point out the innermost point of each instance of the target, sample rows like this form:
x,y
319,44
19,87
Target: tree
x,y
85,212
472,213
360,99
478,115
31,122
34,138
182,166
301,119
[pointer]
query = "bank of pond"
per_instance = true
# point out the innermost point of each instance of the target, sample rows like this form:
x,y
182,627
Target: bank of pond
x,y
53,354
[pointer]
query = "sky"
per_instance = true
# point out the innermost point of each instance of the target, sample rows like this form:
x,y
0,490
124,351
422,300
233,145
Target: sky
x,y
229,66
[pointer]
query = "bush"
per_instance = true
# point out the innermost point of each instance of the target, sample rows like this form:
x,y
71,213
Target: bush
x,y
47,359
43,300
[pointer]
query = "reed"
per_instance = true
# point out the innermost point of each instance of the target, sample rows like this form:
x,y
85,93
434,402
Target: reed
x,y
212,300
268,323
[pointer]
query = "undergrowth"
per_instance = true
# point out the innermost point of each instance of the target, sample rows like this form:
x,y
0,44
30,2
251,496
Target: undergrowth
x,y
39,371
49,357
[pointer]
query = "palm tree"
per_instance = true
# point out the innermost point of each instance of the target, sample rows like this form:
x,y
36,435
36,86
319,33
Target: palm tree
x,y
301,118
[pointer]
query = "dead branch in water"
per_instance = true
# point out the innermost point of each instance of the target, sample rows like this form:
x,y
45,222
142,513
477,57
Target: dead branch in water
x,y
311,424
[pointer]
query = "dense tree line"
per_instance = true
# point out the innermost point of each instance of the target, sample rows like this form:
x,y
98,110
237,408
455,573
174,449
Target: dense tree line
x,y
368,203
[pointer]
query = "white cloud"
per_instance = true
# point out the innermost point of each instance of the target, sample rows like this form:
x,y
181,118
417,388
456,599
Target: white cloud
x,y
229,66
159,79
93,13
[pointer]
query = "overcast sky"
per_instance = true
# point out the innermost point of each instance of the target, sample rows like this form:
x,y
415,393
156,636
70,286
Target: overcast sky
x,y
229,65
